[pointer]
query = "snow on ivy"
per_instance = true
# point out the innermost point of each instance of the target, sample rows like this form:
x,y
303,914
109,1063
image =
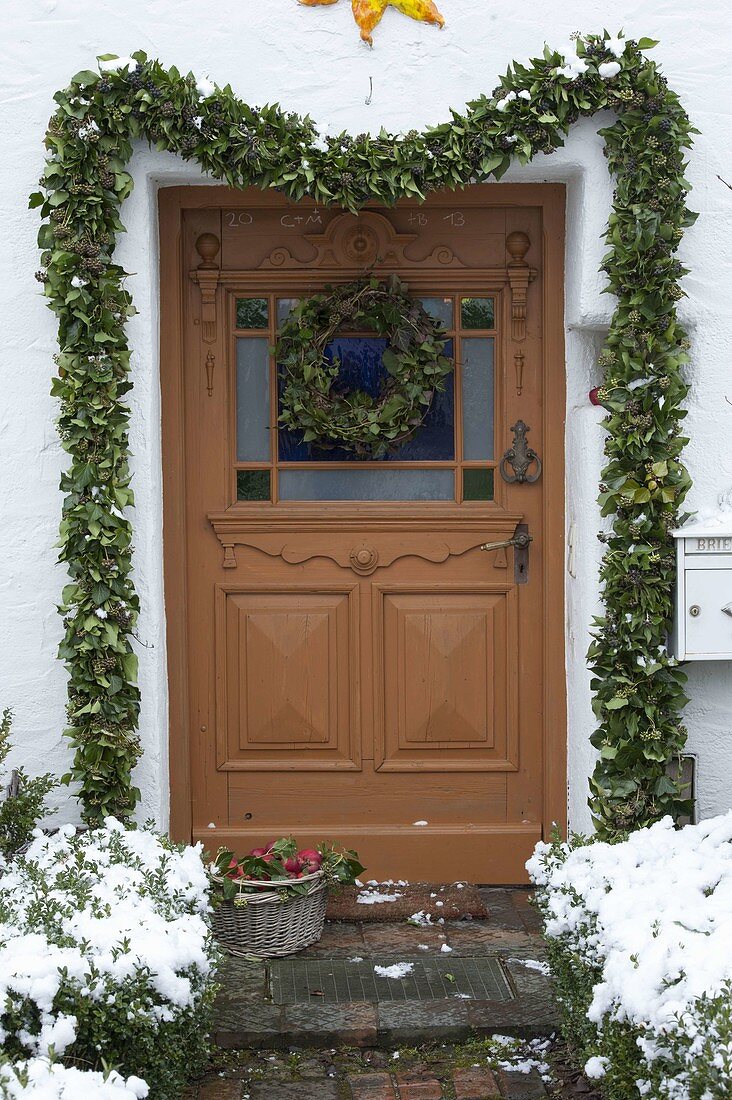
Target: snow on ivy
x,y
652,917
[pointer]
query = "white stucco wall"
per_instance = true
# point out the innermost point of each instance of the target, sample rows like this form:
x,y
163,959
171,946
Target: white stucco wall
x,y
312,61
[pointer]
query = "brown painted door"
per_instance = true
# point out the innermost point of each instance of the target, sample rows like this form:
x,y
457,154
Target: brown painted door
x,y
356,667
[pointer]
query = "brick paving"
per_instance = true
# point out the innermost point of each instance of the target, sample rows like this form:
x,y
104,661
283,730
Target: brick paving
x,y
387,1050
443,1081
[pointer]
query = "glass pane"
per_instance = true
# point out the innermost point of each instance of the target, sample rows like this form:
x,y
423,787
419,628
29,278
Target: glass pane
x,y
362,368
477,484
478,313
284,308
253,485
440,309
252,399
252,313
477,374
367,484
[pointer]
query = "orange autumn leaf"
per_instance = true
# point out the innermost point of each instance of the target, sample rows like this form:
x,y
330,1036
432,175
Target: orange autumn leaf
x,y
368,13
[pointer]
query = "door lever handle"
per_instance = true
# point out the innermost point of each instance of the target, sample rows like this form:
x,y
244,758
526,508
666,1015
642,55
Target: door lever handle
x,y
520,541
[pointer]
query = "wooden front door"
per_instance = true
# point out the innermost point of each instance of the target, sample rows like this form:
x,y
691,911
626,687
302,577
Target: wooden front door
x,y
345,661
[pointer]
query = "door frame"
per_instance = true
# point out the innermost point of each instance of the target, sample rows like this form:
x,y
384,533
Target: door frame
x,y
172,201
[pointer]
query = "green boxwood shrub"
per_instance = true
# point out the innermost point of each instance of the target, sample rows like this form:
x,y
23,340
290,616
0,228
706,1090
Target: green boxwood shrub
x,y
106,956
638,940
22,798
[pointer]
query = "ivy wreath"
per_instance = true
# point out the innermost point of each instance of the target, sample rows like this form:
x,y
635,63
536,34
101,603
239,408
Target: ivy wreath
x,y
328,415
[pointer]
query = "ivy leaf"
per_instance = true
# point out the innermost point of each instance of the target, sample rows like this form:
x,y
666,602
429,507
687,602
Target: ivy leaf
x,y
85,78
616,703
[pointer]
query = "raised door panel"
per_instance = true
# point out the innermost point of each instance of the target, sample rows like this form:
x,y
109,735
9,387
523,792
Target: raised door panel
x,y
287,678
445,699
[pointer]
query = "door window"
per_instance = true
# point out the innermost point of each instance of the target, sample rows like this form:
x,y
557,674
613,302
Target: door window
x,y
450,457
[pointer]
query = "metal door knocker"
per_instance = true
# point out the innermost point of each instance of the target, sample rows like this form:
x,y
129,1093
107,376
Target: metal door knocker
x,y
519,457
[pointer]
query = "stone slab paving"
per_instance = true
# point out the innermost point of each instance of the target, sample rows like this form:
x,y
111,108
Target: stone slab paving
x,y
247,1017
390,1049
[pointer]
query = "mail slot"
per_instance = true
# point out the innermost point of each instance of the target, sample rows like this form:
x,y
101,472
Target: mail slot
x,y
703,617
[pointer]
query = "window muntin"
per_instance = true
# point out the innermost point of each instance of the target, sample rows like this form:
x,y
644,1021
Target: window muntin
x,y
455,442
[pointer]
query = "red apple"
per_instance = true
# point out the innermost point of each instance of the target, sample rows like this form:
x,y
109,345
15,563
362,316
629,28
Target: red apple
x,y
309,855
293,866
257,851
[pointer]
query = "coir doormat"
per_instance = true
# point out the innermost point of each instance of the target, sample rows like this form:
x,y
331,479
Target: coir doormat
x,y
399,901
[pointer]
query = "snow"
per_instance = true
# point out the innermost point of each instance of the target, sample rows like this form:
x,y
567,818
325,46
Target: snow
x,y
654,915
80,915
112,64
445,949
595,1067
523,1056
423,919
663,906
54,1081
396,970
532,964
373,897
420,824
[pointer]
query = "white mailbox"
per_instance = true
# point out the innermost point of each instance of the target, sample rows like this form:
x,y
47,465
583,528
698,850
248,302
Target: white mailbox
x,y
703,620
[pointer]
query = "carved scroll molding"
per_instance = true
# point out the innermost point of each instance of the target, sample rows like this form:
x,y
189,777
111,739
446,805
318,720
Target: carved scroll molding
x,y
519,277
360,240
361,547
207,276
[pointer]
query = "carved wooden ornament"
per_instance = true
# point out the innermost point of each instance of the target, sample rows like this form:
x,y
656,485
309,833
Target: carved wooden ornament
x,y
361,241
519,276
207,275
368,13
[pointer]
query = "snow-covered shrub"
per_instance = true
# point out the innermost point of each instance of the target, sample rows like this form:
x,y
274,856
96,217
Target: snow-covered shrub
x,y
640,944
22,798
106,955
40,1079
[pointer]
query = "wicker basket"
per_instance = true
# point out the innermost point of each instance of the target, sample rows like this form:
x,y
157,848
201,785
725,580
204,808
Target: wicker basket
x,y
267,926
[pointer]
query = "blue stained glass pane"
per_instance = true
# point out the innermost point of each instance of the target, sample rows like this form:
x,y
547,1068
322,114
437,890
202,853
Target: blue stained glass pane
x,y
362,368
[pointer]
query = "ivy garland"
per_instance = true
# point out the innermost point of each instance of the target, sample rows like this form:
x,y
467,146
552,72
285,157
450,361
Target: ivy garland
x,y
638,689
312,401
